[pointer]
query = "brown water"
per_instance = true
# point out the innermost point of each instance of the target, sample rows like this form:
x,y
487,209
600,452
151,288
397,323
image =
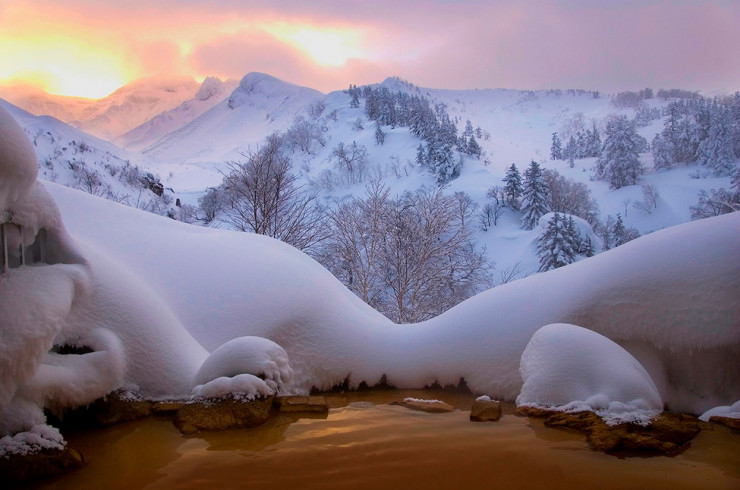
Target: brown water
x,y
366,443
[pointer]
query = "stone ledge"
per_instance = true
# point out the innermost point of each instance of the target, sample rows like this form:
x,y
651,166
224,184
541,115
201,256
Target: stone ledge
x,y
668,433
730,422
42,464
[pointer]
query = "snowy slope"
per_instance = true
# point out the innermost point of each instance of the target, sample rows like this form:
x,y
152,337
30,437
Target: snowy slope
x,y
211,92
114,115
259,106
79,160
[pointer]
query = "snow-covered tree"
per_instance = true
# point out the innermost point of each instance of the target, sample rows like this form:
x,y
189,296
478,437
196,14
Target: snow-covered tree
x,y
412,257
379,135
261,196
716,150
556,246
720,201
621,233
535,196
556,149
619,163
513,187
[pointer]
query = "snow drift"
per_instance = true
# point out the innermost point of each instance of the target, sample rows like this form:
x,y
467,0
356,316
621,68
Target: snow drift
x,y
142,293
570,368
670,298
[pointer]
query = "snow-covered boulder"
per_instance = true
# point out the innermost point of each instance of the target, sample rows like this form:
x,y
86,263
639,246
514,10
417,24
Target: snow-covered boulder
x,y
728,411
570,368
256,356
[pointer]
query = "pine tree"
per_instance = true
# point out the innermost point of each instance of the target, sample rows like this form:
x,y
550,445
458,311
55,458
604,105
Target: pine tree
x,y
379,134
513,188
535,196
556,150
620,164
716,151
555,246
621,233
473,148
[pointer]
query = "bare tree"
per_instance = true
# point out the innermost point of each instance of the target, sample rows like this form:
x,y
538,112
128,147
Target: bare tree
x,y
411,257
261,197
352,160
649,201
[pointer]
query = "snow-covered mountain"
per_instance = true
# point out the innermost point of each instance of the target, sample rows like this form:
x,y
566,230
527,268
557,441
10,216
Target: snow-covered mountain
x,y
111,116
260,105
211,92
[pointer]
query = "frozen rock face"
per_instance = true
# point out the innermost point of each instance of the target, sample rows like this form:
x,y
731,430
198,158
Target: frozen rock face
x,y
570,368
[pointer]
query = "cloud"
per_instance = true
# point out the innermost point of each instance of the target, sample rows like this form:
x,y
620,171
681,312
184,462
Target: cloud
x,y
593,44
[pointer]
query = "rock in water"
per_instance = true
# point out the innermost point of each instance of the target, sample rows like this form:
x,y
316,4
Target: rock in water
x,y
222,413
485,410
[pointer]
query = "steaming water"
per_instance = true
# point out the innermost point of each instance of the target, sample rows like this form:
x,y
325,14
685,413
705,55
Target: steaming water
x,y
366,443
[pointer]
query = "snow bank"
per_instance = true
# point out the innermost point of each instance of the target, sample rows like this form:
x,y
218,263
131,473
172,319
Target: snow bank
x,y
40,437
71,295
670,298
570,368
242,385
730,411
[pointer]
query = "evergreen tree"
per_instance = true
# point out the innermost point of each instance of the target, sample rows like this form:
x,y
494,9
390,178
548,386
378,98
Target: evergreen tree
x,y
555,246
556,149
513,188
379,134
473,148
620,164
594,142
716,151
621,233
535,196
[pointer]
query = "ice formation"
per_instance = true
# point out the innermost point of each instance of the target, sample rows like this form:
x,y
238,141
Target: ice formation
x,y
567,367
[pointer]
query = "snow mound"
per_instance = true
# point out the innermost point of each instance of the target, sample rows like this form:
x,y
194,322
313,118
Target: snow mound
x,y
244,386
248,355
40,437
570,368
18,166
730,411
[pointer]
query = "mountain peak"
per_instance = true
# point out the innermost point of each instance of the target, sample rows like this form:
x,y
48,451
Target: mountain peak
x,y
255,84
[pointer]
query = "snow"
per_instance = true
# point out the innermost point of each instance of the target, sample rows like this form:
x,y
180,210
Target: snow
x,y
245,386
39,437
648,295
250,355
151,297
730,411
567,367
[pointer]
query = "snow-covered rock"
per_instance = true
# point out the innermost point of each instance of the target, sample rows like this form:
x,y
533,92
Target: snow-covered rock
x,y
248,355
569,368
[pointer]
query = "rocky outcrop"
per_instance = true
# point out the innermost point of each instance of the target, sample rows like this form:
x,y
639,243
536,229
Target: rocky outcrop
x,y
431,406
485,411
222,413
37,465
668,433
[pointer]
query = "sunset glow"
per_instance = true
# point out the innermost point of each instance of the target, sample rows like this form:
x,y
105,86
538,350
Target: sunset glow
x,y
61,66
91,47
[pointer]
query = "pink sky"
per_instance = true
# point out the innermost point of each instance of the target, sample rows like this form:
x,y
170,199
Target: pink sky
x,y
91,47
